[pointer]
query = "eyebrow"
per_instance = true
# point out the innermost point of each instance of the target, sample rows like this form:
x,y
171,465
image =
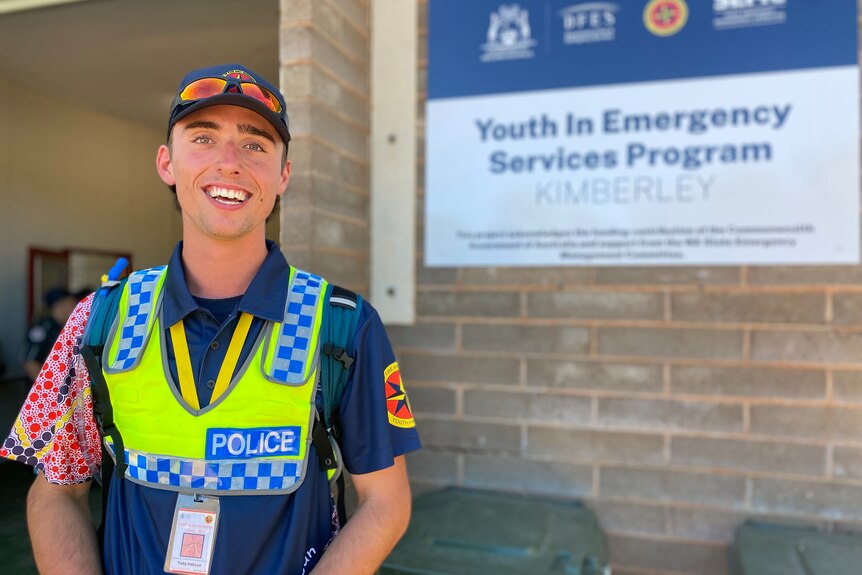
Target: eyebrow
x,y
243,128
255,131
202,124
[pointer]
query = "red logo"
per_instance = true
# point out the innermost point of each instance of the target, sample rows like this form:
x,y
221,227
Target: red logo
x,y
400,414
665,17
240,75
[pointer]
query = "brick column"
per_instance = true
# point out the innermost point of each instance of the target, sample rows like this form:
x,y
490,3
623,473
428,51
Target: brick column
x,y
325,77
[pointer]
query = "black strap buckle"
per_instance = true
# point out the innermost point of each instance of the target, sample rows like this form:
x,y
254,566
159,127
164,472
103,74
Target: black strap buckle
x,y
320,440
338,354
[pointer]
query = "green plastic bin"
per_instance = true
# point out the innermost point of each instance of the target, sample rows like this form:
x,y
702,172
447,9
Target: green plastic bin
x,y
471,532
768,549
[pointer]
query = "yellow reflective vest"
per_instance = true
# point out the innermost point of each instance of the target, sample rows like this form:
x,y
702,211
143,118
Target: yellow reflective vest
x,y
254,438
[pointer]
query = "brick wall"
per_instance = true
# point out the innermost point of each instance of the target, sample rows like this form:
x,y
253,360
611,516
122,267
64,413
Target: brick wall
x,y
325,78
676,402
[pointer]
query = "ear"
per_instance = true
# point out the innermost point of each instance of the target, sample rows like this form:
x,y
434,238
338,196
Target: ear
x,y
164,166
285,177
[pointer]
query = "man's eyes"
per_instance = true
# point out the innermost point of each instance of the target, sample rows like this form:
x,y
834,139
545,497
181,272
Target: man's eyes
x,y
254,146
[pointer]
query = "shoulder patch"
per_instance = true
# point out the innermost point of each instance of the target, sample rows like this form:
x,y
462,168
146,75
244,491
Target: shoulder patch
x,y
37,334
397,404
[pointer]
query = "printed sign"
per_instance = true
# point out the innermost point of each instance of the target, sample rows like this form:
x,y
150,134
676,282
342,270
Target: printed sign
x,y
656,132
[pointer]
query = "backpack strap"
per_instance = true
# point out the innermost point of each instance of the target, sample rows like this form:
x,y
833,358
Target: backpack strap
x,y
103,313
340,319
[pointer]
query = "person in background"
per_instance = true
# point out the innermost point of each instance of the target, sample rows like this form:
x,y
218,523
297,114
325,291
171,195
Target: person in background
x,y
83,293
41,336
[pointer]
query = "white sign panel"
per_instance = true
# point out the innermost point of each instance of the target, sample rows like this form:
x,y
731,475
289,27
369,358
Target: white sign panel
x,y
678,153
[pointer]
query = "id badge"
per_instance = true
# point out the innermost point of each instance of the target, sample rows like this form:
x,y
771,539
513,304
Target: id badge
x,y
193,532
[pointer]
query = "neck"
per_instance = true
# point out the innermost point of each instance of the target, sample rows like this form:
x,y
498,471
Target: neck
x,y
220,269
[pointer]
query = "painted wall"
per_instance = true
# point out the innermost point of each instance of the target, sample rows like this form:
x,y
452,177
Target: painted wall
x,y
73,177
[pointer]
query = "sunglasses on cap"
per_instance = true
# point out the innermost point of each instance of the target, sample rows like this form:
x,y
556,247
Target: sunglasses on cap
x,y
208,87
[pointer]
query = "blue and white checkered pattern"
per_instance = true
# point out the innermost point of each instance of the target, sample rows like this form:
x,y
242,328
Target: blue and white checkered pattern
x,y
133,332
294,338
262,475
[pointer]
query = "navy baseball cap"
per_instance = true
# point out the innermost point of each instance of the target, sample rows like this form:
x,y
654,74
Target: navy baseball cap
x,y
231,84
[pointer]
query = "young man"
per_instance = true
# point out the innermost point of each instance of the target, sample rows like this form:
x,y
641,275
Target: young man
x,y
211,371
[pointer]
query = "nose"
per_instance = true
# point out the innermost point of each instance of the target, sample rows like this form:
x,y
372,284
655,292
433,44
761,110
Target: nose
x,y
229,160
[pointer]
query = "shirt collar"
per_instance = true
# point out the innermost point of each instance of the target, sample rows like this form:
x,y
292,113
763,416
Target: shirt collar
x,y
264,298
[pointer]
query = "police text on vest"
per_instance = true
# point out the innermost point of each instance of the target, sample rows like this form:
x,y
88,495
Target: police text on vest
x,y
235,443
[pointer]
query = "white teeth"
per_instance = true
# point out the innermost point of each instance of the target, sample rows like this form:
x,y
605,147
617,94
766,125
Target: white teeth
x,y
229,194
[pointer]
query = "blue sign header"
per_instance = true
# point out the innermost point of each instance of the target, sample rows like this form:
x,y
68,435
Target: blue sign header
x,y
486,47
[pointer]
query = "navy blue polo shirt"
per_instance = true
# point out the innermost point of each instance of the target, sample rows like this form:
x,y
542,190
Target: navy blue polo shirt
x,y
209,324
258,533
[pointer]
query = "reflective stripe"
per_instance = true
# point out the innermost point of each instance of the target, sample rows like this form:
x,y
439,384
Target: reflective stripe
x,y
257,475
290,364
342,301
133,332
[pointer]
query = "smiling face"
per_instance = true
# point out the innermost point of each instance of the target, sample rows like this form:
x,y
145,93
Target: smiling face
x,y
226,164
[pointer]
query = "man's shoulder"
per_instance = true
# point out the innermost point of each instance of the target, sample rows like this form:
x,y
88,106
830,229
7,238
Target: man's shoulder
x,y
341,296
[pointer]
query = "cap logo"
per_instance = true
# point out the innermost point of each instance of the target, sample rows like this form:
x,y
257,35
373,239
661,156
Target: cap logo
x,y
239,75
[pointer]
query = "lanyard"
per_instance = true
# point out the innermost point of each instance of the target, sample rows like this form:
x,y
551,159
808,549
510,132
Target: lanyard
x,y
225,373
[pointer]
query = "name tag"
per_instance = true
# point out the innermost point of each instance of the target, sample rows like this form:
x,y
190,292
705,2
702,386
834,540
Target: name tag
x,y
236,443
193,532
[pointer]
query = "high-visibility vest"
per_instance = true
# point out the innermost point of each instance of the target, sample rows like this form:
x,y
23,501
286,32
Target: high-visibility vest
x,y
255,436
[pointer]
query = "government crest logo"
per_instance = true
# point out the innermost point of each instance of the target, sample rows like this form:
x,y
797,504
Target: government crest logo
x,y
509,35
665,17
589,22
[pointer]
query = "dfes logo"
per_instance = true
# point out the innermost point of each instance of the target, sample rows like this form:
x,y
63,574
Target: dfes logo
x,y
589,22
665,17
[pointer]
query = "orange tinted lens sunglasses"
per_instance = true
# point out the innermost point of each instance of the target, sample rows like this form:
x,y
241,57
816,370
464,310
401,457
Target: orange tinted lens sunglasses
x,y
207,87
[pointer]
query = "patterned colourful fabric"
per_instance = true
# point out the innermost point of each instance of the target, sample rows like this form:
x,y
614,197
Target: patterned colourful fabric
x,y
55,428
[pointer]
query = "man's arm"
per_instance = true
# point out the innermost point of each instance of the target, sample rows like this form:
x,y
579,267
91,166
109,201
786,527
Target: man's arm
x,y
375,527
61,529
